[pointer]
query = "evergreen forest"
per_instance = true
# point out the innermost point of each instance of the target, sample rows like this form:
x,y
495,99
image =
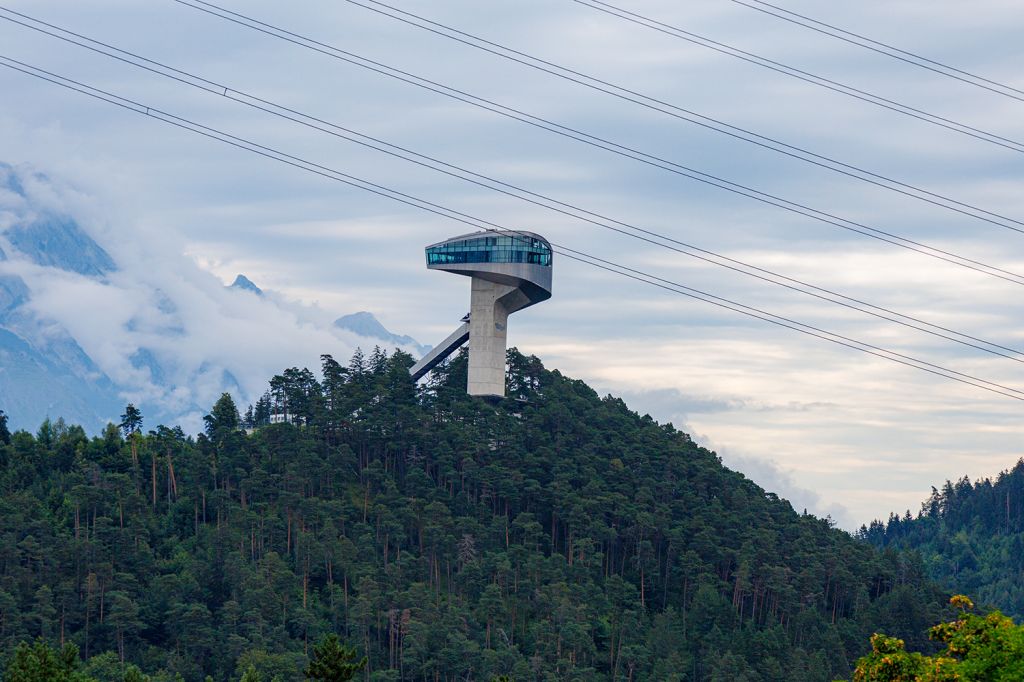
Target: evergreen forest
x,y
555,535
971,538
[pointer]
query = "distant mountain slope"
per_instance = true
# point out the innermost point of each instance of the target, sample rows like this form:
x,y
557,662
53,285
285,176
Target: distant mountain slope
x,y
971,536
13,293
559,536
44,373
365,324
84,333
58,241
35,384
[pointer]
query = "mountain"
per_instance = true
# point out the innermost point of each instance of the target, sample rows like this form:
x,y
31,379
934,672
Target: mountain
x,y
553,536
365,324
96,315
13,292
36,382
971,537
58,241
245,284
44,373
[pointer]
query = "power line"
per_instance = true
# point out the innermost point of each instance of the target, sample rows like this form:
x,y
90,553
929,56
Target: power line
x,y
884,48
518,192
467,219
710,123
696,294
615,148
691,37
799,74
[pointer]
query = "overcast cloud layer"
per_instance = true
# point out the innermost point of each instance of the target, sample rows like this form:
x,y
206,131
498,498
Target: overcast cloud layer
x,y
832,429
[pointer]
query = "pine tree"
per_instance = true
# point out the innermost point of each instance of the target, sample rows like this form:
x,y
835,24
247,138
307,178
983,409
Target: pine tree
x,y
5,435
333,661
251,675
131,425
223,418
40,663
131,420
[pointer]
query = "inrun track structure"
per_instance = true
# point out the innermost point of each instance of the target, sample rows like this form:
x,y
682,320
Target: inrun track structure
x,y
508,271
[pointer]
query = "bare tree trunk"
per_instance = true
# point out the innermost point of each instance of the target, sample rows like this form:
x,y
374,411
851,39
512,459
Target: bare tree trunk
x,y
170,472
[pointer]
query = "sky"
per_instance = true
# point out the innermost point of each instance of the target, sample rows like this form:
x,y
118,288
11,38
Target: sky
x,y
832,429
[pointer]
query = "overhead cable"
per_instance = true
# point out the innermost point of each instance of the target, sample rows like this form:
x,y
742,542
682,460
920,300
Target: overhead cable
x,y
622,150
509,189
716,125
799,74
467,219
883,48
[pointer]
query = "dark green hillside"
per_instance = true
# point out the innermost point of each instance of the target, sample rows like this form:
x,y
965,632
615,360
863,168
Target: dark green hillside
x,y
971,537
555,537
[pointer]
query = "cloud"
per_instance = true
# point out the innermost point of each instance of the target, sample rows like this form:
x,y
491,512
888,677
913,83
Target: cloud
x,y
167,332
772,478
671,405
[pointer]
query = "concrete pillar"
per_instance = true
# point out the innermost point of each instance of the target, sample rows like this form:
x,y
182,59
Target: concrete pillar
x,y
488,331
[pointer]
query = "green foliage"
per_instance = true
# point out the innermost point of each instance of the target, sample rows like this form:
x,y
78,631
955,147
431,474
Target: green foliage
x,y
978,649
251,675
332,661
554,535
107,667
970,537
133,674
223,418
39,662
271,666
131,420
5,434
890,662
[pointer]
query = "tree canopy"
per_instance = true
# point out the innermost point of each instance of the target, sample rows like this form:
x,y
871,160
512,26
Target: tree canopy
x,y
332,661
554,535
38,662
131,420
970,537
5,434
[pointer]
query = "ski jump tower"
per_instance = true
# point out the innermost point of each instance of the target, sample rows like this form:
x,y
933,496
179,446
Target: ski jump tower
x,y
508,271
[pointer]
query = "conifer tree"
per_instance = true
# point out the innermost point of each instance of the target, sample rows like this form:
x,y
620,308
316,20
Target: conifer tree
x,y
332,661
251,675
40,663
223,418
5,435
131,425
131,420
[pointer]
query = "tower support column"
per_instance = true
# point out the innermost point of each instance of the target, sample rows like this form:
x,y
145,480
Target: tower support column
x,y
488,337
508,271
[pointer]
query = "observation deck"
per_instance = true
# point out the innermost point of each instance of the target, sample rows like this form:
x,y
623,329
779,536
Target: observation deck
x,y
509,271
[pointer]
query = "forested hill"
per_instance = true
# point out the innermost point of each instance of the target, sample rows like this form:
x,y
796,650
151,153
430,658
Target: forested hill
x,y
554,536
971,537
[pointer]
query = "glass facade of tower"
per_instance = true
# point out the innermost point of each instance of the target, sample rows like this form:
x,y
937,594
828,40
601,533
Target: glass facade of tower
x,y
491,249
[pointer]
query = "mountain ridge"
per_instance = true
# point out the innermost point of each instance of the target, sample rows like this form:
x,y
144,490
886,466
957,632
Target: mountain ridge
x,y
970,535
366,324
